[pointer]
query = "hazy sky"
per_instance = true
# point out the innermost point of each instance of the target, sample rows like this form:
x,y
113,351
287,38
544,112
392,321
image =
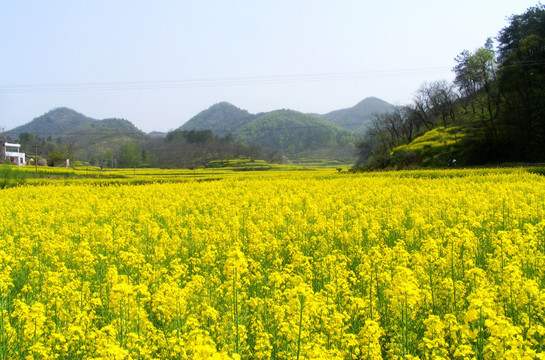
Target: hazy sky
x,y
158,63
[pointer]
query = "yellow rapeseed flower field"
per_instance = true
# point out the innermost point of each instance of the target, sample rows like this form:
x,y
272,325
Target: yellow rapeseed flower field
x,y
430,265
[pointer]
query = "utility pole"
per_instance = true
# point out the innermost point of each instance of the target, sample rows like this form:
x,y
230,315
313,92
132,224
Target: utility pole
x,y
36,159
3,139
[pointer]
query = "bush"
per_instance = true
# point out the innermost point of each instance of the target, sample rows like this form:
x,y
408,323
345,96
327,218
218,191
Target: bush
x,y
403,159
11,176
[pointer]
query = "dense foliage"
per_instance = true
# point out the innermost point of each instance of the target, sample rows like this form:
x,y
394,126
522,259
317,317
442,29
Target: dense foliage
x,y
493,110
221,118
290,133
196,148
295,133
522,82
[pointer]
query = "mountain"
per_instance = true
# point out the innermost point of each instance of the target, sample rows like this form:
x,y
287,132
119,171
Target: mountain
x,y
100,136
358,117
62,122
221,118
283,131
294,132
87,137
289,131
53,123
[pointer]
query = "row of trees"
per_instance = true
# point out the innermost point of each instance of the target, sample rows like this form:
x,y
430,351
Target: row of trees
x,y
52,152
497,95
179,148
195,148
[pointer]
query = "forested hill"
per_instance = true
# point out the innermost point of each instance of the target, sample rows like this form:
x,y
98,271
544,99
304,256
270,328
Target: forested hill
x,y
358,117
221,131
286,131
52,123
63,121
64,133
294,132
221,118
493,112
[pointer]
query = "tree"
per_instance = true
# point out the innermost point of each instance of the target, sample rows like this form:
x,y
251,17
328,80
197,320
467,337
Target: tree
x,y
131,155
385,132
436,100
522,81
57,157
476,82
10,176
432,101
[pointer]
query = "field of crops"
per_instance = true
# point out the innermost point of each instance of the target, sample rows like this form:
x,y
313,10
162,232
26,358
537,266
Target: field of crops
x,y
301,265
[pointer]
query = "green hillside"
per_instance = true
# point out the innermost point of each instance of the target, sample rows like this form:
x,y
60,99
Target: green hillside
x,y
53,123
75,135
96,138
221,118
286,131
62,122
296,133
358,117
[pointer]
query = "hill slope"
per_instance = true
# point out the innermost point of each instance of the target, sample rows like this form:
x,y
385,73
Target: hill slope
x,y
297,134
87,137
291,132
357,118
100,136
52,123
63,121
221,118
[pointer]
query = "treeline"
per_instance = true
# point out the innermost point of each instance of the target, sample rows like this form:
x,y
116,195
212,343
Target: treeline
x,y
196,148
47,151
178,149
181,149
492,112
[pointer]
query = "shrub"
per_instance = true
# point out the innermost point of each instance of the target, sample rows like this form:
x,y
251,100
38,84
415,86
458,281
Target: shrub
x,y
11,176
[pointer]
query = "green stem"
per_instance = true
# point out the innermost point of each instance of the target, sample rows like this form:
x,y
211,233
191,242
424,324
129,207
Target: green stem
x,y
301,302
235,310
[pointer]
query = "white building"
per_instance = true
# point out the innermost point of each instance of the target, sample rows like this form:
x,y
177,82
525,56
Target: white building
x,y
12,154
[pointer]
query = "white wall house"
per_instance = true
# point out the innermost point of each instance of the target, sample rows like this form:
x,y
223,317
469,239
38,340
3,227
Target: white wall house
x,y
12,154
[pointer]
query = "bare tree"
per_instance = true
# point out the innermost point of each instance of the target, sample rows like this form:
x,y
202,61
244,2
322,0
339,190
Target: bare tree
x,y
439,101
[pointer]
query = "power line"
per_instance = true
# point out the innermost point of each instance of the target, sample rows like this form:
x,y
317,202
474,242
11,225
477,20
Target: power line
x,y
213,82
228,81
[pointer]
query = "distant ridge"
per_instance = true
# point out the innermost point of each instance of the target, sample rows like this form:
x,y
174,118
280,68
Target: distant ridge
x,y
287,131
90,137
294,132
332,135
52,123
221,118
63,121
358,117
